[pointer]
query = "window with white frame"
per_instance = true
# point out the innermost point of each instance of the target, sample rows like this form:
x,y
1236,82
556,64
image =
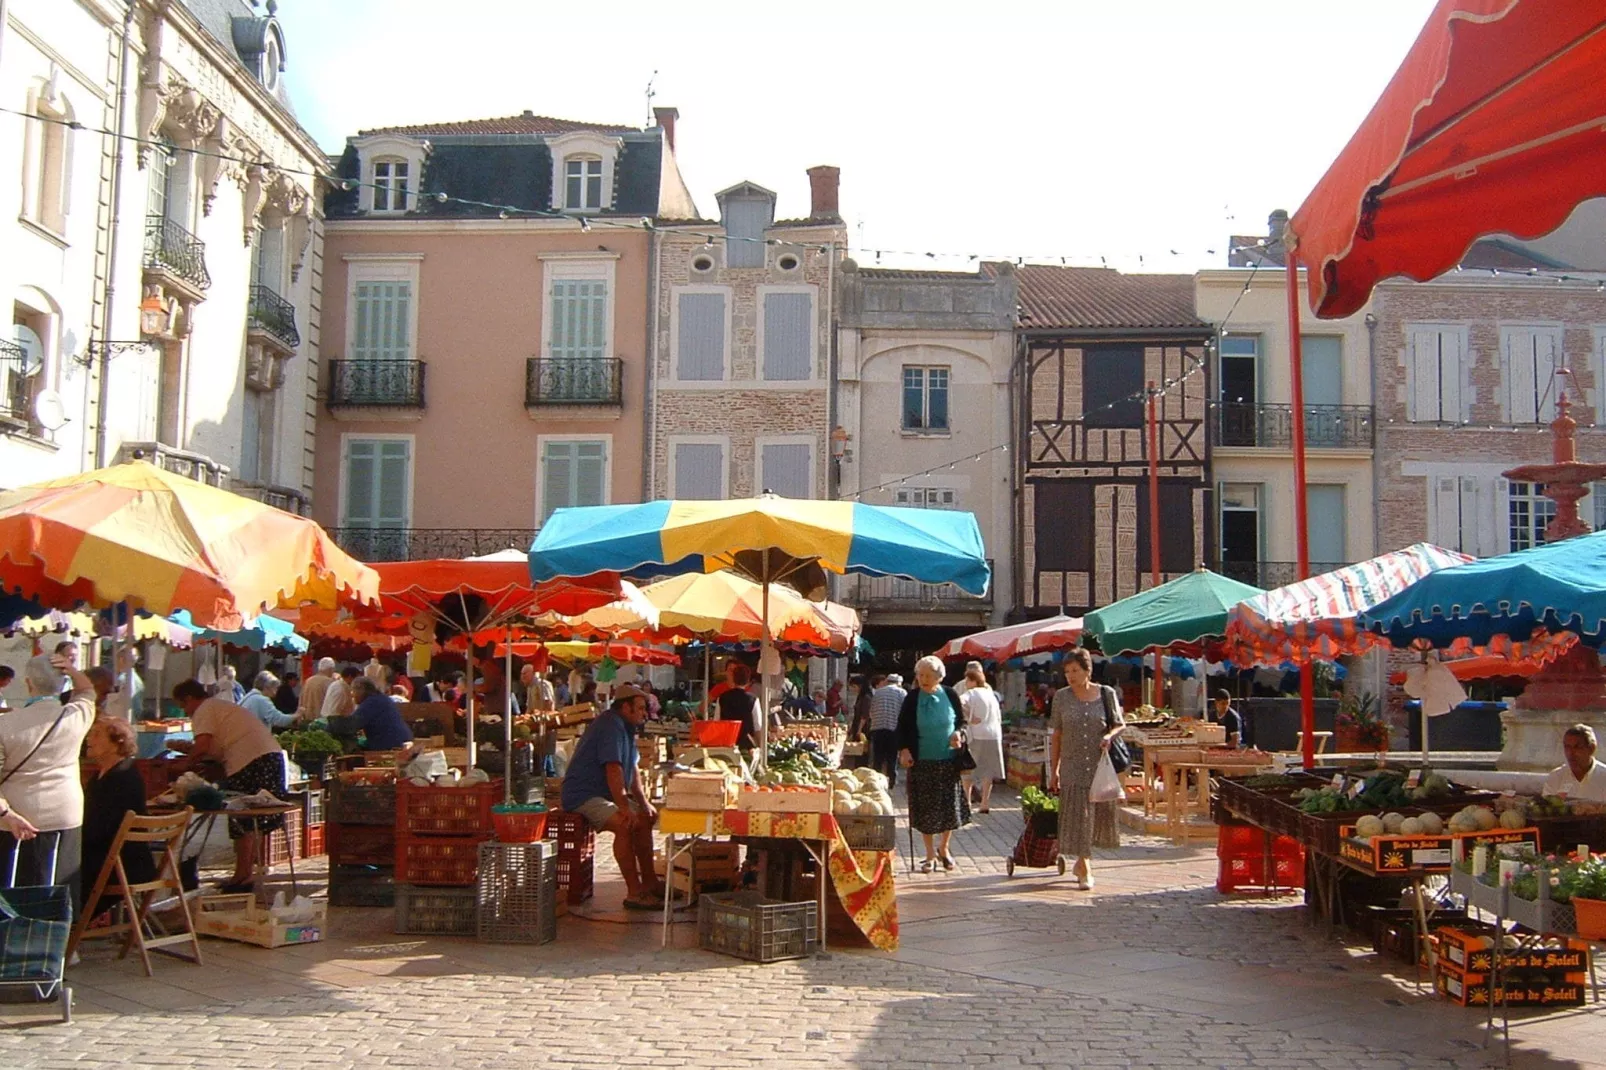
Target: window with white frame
x,y
584,163
927,497
925,399
786,468
788,335
1461,513
573,472
46,148
256,438
22,370
1597,493
170,171
699,469
1530,358
1435,371
392,185
382,320
1528,512
701,329
582,183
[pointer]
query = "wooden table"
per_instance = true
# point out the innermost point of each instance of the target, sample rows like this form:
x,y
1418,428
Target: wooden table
x,y
205,820
1175,778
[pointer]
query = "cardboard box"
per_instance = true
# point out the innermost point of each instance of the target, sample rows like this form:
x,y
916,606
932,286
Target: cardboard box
x,y
1431,854
237,917
1551,990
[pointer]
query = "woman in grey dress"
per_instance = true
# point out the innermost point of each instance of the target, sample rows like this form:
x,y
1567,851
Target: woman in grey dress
x,y
1083,719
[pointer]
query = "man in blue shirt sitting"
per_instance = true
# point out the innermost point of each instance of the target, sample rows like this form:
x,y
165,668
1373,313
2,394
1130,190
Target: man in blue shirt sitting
x,y
378,716
603,784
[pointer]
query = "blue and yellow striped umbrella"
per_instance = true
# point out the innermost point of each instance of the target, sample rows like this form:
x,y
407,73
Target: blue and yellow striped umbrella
x,y
768,539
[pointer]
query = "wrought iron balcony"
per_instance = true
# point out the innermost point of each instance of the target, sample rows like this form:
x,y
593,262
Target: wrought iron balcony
x,y
1269,574
424,544
286,498
572,381
272,315
893,594
196,466
395,384
1242,423
171,248
16,394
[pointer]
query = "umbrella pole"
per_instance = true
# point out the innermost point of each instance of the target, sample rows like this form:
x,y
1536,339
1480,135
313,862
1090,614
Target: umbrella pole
x,y
708,709
507,725
468,635
766,643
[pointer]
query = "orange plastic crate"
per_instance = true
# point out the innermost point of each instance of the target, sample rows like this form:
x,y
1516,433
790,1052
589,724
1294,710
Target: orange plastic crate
x,y
454,811
525,827
439,860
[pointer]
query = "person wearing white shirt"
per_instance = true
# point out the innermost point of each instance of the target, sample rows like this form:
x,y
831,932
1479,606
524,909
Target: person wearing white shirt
x,y
339,701
1582,777
985,723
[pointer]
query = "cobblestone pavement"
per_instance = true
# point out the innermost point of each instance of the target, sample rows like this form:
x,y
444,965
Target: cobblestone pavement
x,y
1154,969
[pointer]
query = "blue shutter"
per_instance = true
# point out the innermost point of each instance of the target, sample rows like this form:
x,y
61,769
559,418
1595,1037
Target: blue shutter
x,y
382,321
572,473
579,318
745,221
701,354
785,470
699,471
788,336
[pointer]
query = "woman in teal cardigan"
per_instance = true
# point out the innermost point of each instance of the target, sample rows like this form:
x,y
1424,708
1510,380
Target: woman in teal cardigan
x,y
931,729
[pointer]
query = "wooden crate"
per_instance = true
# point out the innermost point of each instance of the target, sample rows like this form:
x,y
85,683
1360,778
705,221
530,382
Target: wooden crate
x,y
237,917
699,791
785,801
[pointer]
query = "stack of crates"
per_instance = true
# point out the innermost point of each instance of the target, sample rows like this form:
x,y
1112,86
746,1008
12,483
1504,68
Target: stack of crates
x,y
577,849
360,837
313,840
1241,860
518,893
438,837
281,845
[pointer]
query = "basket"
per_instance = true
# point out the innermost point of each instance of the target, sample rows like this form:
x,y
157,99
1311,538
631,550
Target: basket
x,y
577,846
749,926
528,826
878,833
438,860
361,886
360,802
715,733
435,911
456,811
360,845
518,893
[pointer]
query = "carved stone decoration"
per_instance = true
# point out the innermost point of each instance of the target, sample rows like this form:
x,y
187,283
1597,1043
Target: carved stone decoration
x,y
257,179
264,368
298,237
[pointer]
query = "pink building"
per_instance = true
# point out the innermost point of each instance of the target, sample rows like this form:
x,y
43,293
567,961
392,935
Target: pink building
x,y
486,300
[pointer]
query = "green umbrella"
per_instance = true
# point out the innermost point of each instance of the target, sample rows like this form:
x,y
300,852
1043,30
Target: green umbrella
x,y
1184,610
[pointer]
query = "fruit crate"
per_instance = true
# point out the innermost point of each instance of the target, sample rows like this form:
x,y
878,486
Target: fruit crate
x,y
282,844
361,802
577,847
362,886
445,811
438,860
435,911
875,833
311,800
518,893
749,926
360,845
313,842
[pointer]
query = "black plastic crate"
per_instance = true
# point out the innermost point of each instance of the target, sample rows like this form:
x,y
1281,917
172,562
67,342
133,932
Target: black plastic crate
x,y
749,926
362,886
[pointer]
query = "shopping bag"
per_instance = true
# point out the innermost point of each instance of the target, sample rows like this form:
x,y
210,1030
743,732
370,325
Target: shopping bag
x,y
1106,785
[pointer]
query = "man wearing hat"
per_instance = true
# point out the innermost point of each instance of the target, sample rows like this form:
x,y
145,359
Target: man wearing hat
x,y
603,784
1231,718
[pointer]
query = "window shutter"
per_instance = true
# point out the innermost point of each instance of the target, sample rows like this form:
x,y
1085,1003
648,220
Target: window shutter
x,y
1423,396
1450,358
251,437
557,477
698,471
788,341
1546,362
784,470
393,482
701,340
590,473
579,318
360,468
745,220
1521,378
382,315
1325,512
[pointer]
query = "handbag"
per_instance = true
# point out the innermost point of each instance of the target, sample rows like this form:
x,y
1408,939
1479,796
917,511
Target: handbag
x,y
1120,756
966,760
962,757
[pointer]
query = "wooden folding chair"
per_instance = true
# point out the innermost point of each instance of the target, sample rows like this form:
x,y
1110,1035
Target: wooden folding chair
x,y
137,926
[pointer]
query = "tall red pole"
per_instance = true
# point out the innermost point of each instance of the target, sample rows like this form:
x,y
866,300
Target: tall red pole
x,y
1154,525
1296,397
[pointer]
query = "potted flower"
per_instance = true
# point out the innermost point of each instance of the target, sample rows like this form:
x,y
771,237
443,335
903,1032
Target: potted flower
x,y
1358,726
1589,898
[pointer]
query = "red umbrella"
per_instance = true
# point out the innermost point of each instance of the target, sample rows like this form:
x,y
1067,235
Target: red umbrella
x,y
1016,640
1493,123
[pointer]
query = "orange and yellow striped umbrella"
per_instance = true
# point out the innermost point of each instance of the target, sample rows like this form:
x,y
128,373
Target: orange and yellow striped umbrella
x,y
139,534
721,606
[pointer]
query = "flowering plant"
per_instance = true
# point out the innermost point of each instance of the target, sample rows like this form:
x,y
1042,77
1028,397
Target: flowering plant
x,y
1358,716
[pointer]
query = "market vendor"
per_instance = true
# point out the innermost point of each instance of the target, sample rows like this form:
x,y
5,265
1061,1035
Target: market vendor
x,y
1582,777
738,703
379,718
603,785
1229,718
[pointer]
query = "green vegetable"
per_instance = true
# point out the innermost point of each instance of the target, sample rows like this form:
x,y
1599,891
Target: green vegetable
x,y
310,741
1034,800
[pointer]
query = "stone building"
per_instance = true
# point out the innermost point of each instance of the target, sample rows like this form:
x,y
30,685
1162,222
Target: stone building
x,y
164,283
742,361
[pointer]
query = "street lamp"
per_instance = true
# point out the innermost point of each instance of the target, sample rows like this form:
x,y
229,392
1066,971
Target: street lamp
x,y
153,315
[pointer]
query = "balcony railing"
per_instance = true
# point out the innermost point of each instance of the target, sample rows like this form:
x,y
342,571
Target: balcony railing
x,y
272,314
196,466
171,248
572,381
16,395
286,498
376,383
1270,574
423,544
1241,423
892,593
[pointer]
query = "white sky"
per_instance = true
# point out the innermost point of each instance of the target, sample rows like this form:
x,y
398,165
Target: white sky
x,y
1074,129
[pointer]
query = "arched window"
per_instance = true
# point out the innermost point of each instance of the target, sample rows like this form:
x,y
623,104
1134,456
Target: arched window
x,y
582,183
46,150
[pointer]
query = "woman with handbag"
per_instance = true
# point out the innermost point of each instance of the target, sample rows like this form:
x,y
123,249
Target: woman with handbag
x,y
1085,720
986,728
932,746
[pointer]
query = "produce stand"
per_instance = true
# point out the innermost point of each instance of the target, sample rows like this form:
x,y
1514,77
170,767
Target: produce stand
x,y
1179,766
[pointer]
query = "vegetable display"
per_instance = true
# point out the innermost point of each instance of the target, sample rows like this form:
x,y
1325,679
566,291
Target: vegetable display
x,y
860,791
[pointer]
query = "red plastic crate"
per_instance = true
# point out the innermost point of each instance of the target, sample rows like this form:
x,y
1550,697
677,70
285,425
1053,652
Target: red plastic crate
x,y
360,845
438,860
1236,873
577,848
312,841
445,811
279,846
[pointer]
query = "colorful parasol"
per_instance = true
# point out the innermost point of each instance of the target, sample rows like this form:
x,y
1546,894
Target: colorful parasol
x,y
720,606
263,633
1182,611
1016,640
138,534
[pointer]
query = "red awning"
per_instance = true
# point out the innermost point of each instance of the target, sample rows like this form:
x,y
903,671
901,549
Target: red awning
x,y
1494,123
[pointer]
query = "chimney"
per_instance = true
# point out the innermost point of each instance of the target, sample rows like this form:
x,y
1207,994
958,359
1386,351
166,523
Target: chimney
x,y
823,182
1276,223
665,118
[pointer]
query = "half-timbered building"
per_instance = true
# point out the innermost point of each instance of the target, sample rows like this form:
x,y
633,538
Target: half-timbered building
x,y
1090,341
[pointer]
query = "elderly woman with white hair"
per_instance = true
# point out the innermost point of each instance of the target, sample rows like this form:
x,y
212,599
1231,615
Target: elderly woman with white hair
x,y
931,731
259,700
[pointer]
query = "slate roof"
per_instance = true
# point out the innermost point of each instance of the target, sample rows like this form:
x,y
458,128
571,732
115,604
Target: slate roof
x,y
217,17
1088,299
527,123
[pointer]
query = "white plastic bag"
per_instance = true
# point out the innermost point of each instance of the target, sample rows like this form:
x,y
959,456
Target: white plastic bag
x,y
1106,785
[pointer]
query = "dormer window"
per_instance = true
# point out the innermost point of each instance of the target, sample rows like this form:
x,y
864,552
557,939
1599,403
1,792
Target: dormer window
x,y
583,183
272,63
391,185
583,165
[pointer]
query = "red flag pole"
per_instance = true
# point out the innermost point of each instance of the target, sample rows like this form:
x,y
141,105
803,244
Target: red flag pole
x,y
1296,397
1154,525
